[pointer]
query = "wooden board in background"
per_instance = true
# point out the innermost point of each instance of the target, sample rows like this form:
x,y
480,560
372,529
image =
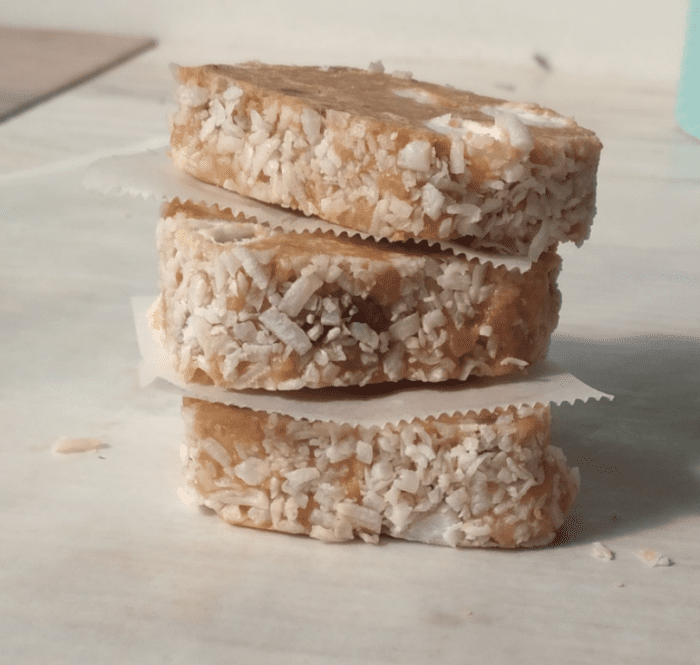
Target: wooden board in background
x,y
36,64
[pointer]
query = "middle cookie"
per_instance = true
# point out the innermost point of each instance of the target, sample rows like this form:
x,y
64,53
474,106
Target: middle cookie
x,y
246,307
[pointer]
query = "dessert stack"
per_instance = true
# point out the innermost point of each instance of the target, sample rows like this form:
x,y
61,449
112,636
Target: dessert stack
x,y
416,247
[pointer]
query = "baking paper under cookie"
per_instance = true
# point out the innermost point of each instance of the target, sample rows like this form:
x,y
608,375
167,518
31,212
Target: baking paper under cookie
x,y
152,175
368,405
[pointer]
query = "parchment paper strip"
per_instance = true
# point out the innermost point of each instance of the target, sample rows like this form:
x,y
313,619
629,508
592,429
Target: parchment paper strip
x,y
369,405
151,174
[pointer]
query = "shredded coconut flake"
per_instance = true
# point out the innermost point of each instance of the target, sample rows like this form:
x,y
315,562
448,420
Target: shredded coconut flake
x,y
653,558
81,445
286,330
188,496
515,361
519,135
303,476
252,471
418,95
433,200
298,294
311,123
530,115
216,451
601,551
415,155
192,96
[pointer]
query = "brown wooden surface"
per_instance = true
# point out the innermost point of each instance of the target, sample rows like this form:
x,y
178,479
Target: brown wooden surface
x,y
36,64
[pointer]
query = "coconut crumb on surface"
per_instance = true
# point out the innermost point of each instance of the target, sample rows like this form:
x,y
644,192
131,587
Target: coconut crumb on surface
x,y
187,497
654,559
601,551
67,444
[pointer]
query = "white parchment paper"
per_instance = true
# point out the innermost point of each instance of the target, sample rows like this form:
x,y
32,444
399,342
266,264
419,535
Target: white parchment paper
x,y
151,174
368,405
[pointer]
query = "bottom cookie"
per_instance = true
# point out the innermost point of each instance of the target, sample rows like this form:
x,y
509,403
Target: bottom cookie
x,y
477,480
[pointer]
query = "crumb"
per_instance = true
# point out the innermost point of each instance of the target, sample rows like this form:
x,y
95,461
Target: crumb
x,y
653,558
542,61
68,445
619,585
186,497
601,551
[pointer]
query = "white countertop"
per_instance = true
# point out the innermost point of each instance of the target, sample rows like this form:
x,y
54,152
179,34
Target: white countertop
x,y
101,563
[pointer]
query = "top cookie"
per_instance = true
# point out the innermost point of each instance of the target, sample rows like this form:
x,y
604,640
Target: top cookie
x,y
388,155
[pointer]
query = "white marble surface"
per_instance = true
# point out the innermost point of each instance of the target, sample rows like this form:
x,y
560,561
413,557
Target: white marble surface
x,y
638,39
99,561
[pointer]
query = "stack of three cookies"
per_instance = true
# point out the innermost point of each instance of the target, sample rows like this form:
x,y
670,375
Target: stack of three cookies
x,y
422,249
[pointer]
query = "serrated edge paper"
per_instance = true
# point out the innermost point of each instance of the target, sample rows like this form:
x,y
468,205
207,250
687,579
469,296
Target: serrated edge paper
x,y
151,175
544,383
